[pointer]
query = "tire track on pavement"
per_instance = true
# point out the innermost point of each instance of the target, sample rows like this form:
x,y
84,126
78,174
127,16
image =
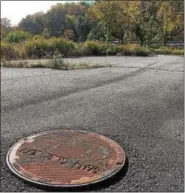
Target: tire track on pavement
x,y
7,109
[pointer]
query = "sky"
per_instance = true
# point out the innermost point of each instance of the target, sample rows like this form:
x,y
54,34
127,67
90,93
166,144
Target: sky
x,y
16,10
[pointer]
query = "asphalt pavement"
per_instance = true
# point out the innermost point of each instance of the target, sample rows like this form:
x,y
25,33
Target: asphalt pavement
x,y
138,102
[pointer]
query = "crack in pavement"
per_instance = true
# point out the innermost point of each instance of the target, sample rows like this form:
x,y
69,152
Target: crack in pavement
x,y
157,69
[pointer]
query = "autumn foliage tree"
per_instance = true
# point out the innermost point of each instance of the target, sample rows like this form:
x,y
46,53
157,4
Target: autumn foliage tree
x,y
146,22
170,21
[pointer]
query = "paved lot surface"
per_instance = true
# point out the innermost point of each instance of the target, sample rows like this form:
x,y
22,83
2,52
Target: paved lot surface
x,y
139,102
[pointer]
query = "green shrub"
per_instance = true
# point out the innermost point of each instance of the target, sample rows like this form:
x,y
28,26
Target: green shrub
x,y
64,46
92,48
37,47
132,50
168,51
110,49
9,51
79,50
40,47
142,51
17,36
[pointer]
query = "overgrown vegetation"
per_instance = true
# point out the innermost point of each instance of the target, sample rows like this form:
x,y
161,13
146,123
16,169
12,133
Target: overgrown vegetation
x,y
50,63
48,48
140,28
17,36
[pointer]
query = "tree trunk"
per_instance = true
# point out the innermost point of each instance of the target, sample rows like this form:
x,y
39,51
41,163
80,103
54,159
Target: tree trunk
x,y
141,40
108,35
165,40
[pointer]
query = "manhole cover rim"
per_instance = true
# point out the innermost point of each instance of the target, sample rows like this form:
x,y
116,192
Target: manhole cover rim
x,y
16,173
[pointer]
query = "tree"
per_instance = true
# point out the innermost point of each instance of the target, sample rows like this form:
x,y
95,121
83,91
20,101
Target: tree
x,y
69,34
5,27
55,20
107,12
64,16
170,21
149,22
70,23
142,21
98,32
6,22
33,23
46,33
82,28
177,5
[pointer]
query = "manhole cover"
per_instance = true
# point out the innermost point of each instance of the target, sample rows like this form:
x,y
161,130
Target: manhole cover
x,y
65,158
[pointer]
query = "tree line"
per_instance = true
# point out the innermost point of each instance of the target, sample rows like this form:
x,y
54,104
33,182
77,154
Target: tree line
x,y
146,22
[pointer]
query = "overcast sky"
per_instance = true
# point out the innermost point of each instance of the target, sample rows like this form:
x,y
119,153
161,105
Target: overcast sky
x,y
16,10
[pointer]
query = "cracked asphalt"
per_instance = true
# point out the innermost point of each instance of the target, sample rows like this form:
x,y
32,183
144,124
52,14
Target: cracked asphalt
x,y
138,102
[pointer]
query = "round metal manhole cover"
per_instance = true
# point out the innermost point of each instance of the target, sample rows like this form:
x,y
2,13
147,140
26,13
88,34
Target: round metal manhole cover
x,y
65,158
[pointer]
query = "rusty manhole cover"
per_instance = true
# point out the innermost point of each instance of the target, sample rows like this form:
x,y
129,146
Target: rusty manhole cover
x,y
65,158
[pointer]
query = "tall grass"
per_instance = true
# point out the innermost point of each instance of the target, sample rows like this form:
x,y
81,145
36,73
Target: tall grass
x,y
51,63
39,47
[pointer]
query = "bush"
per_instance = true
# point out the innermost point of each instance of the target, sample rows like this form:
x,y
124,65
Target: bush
x,y
168,51
8,51
132,50
79,50
93,48
64,46
142,51
39,47
17,36
110,49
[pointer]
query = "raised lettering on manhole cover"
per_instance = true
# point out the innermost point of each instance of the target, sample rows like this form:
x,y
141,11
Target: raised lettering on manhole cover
x,y
65,158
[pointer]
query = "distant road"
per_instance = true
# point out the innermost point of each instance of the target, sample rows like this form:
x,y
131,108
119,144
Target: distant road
x,y
139,102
